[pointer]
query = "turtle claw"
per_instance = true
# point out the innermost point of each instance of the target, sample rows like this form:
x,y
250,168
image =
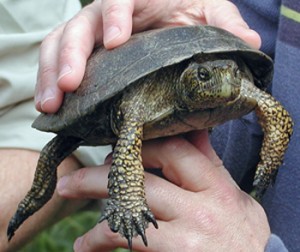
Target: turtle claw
x,y
129,239
151,218
141,231
128,221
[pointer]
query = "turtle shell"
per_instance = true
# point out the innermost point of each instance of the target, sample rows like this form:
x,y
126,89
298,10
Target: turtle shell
x,y
108,72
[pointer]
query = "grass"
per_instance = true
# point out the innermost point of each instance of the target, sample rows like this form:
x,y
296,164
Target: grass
x,y
61,236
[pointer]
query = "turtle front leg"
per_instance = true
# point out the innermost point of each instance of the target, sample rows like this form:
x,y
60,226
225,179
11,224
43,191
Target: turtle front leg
x,y
277,126
127,211
44,182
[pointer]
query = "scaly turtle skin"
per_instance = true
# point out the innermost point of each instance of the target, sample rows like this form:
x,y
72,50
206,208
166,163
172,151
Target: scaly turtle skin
x,y
161,83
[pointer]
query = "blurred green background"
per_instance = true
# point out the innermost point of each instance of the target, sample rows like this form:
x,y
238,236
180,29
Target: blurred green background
x,y
85,2
61,236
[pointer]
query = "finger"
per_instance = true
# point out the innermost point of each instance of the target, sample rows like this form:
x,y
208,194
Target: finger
x,y
48,96
117,21
181,162
92,183
200,139
76,45
101,238
84,183
232,21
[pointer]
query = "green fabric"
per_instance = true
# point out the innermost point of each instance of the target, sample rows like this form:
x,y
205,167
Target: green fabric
x,y
290,13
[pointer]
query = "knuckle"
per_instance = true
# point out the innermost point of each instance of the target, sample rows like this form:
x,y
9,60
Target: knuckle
x,y
80,20
99,237
178,148
67,50
174,144
191,244
108,234
112,10
77,38
51,37
45,71
229,194
67,54
78,179
86,242
204,218
191,241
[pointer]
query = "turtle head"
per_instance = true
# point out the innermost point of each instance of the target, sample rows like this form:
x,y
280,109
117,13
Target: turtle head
x,y
209,83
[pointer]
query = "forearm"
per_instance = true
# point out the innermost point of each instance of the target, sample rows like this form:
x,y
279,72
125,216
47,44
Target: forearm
x,y
16,175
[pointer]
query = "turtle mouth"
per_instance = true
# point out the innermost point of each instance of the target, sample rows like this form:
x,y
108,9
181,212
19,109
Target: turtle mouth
x,y
234,99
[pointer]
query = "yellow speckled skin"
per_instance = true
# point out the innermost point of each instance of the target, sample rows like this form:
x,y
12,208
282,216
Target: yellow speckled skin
x,y
127,211
194,94
277,126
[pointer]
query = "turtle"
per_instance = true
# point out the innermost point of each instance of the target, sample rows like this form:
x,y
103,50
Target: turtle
x,y
160,83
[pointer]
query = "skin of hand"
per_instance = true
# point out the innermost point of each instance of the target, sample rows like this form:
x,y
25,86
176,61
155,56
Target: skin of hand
x,y
199,207
64,51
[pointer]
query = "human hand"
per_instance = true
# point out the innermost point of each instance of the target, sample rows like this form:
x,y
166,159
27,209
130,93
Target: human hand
x,y
64,51
200,209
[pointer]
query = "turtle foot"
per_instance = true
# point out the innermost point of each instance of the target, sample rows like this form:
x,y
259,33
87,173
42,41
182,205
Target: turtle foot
x,y
129,219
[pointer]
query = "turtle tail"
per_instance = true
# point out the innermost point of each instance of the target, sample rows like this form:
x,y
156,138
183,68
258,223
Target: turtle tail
x,y
45,179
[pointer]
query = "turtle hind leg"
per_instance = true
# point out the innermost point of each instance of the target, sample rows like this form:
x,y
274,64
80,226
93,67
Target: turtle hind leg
x,y
277,126
45,179
127,211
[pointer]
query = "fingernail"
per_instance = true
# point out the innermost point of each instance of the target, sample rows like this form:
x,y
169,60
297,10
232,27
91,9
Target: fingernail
x,y
61,185
47,96
66,69
111,33
77,243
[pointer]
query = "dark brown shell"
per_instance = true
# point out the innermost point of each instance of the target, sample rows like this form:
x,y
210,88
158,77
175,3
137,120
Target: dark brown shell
x,y
108,72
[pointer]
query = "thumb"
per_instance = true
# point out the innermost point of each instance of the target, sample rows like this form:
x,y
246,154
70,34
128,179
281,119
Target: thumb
x,y
232,21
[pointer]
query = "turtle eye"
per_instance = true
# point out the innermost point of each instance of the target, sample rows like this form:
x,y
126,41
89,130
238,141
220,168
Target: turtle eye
x,y
203,74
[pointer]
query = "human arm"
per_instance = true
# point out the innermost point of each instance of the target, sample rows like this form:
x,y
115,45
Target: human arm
x,y
64,52
200,208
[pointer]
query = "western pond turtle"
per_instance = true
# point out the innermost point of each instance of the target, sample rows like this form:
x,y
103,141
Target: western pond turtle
x,y
161,82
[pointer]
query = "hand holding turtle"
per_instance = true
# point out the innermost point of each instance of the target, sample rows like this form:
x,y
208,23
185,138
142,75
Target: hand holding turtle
x,y
224,217
64,51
